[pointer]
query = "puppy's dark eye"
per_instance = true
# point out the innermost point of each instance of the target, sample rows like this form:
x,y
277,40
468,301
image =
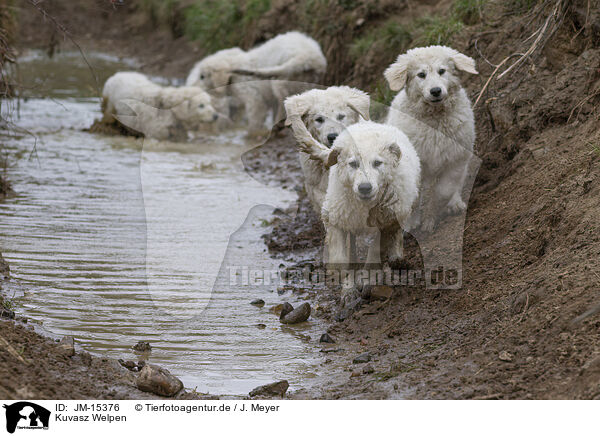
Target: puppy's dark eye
x,y
201,106
422,75
340,117
353,164
377,163
319,119
441,71
201,76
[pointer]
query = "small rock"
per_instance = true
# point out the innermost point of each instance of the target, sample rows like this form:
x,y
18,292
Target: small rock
x,y
261,326
505,356
363,358
67,346
142,346
299,314
354,374
129,364
326,339
285,309
6,313
272,389
381,292
368,369
141,364
258,302
158,380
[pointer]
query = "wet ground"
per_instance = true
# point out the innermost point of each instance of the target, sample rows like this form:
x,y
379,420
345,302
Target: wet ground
x,y
115,240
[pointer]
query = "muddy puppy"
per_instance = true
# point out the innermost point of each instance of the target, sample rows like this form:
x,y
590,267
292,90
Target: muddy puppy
x,y
434,111
160,112
373,168
325,113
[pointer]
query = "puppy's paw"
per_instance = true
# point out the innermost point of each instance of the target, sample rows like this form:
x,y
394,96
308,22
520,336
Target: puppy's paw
x,y
456,205
428,225
396,255
350,298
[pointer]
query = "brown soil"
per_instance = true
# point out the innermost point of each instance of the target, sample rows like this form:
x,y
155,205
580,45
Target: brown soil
x,y
532,245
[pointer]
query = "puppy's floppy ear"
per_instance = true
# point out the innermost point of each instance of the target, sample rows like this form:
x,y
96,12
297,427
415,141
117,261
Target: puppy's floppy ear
x,y
359,101
169,98
397,73
295,106
395,151
464,63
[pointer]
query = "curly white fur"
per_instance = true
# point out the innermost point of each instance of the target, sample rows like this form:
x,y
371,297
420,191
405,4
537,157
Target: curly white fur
x,y
377,172
164,112
325,113
289,57
434,111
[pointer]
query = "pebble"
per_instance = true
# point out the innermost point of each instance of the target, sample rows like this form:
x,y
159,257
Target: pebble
x,y
326,339
368,369
381,292
363,358
272,389
67,346
505,356
258,302
159,381
142,346
297,315
261,326
6,313
129,364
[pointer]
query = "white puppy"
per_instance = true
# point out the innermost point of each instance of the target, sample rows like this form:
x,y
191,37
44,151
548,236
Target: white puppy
x,y
374,170
433,110
164,112
325,113
284,59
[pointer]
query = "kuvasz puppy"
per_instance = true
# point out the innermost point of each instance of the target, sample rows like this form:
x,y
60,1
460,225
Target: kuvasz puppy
x,y
262,77
161,112
325,113
434,111
374,171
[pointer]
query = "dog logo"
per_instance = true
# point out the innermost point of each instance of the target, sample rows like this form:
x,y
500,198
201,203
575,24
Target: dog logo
x,y
26,415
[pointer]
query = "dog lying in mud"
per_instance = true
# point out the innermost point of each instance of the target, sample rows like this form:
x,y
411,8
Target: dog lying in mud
x,y
325,113
159,112
261,78
374,177
434,111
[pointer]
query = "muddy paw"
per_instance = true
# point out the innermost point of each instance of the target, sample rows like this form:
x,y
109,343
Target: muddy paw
x,y
456,206
350,298
428,225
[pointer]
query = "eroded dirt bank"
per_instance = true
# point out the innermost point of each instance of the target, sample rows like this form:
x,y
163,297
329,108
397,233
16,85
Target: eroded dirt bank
x,y
525,323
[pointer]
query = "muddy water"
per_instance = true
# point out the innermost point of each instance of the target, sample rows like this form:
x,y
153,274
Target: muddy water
x,y
115,240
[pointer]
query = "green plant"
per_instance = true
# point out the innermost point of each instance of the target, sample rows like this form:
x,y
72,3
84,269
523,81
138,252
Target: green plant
x,y
437,30
468,11
390,36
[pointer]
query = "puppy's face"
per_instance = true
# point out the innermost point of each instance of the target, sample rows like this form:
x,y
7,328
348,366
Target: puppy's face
x,y
432,81
429,73
326,123
366,170
213,80
195,110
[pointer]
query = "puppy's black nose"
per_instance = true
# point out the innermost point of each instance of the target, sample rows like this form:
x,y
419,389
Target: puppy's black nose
x,y
331,137
365,188
215,117
436,92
